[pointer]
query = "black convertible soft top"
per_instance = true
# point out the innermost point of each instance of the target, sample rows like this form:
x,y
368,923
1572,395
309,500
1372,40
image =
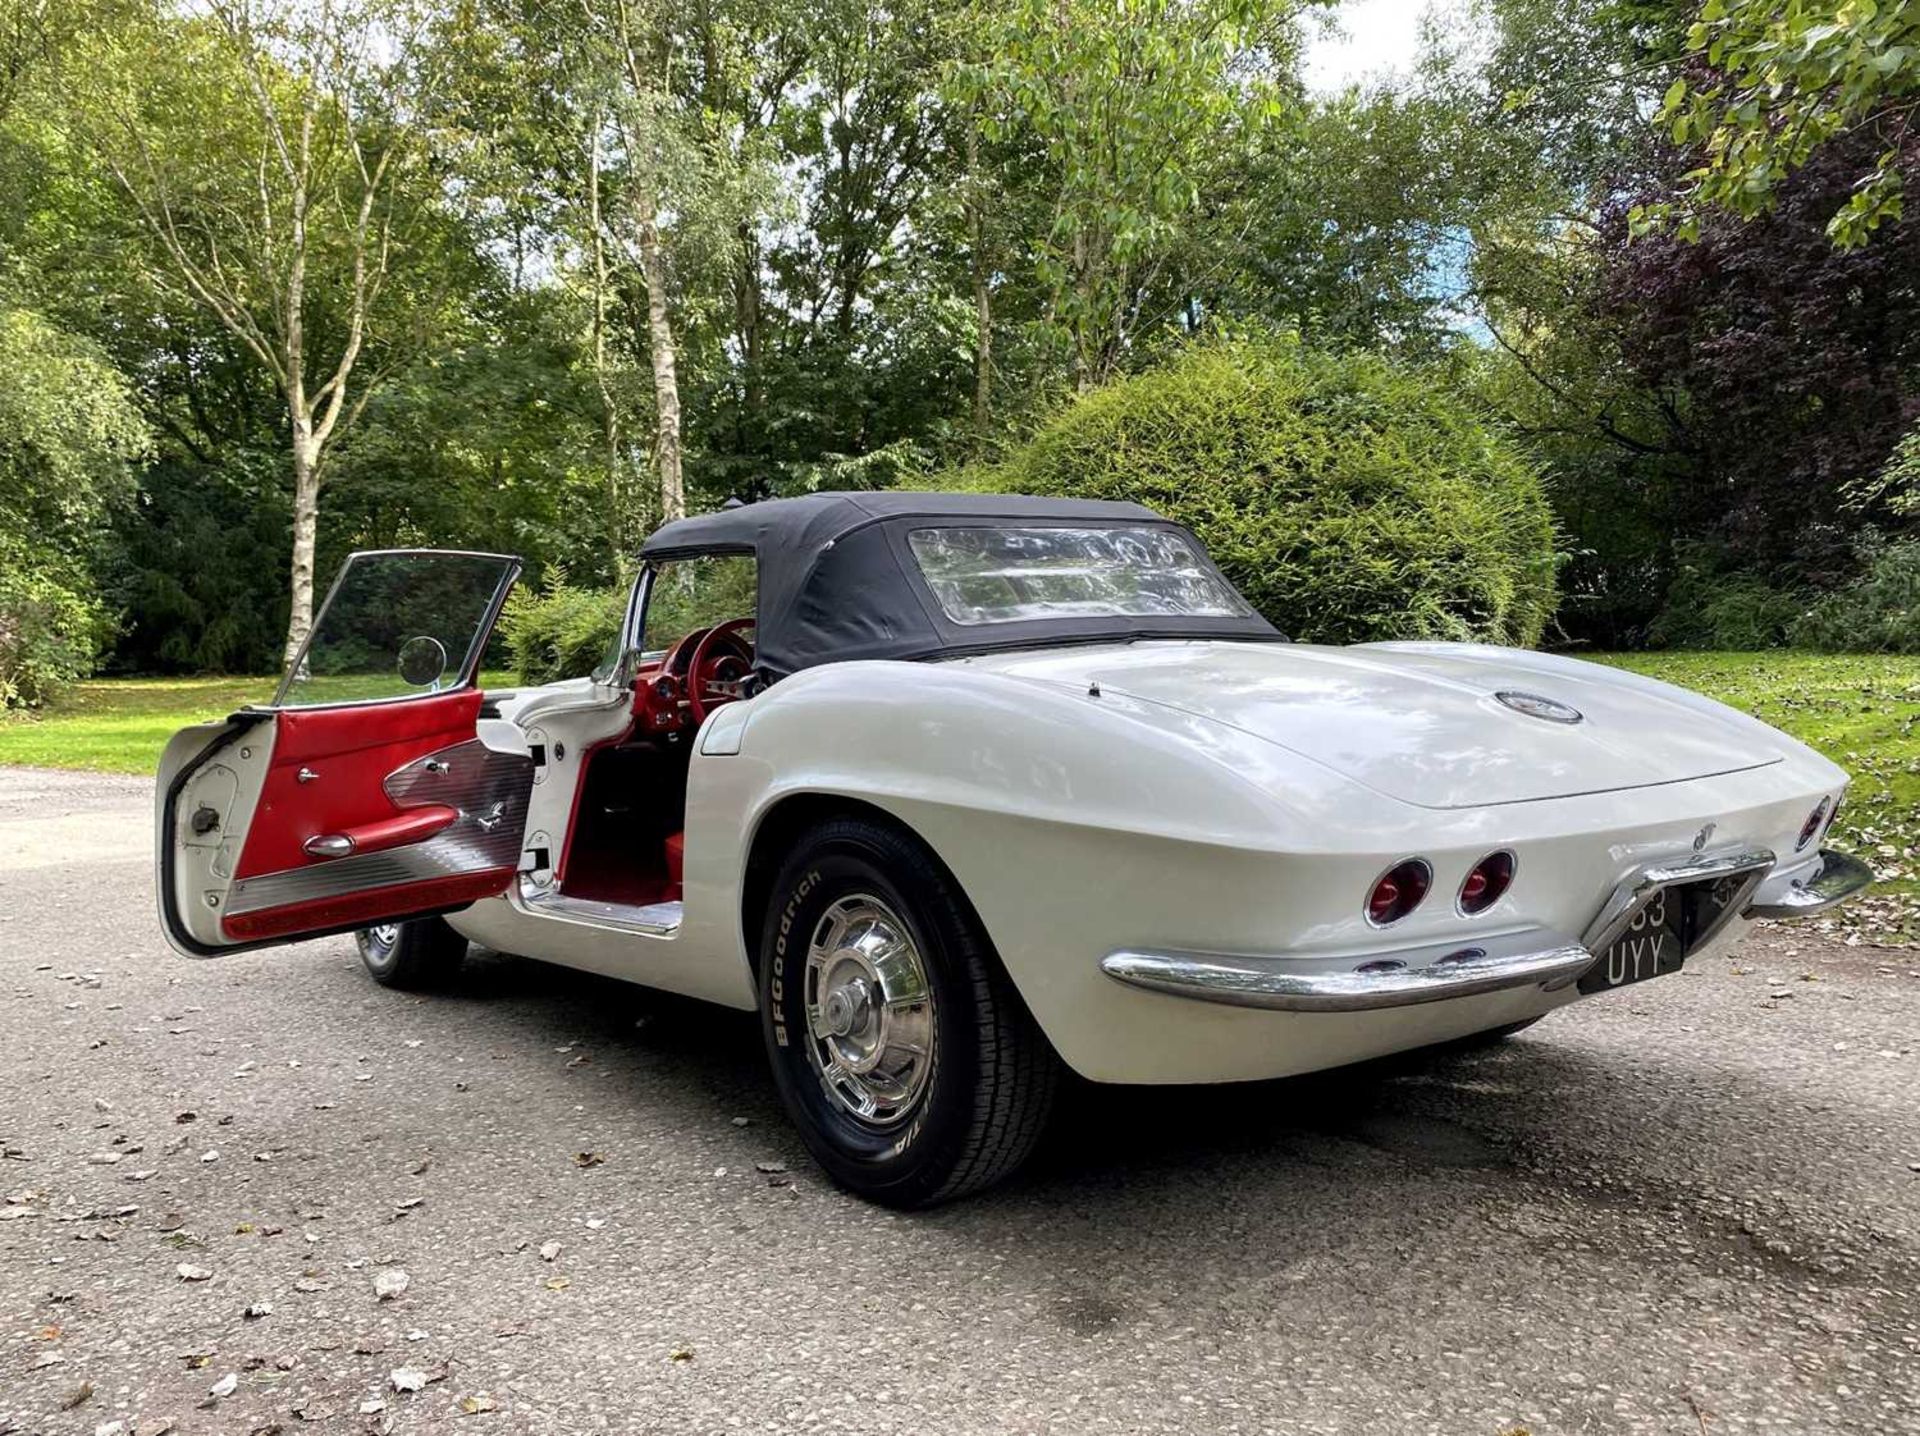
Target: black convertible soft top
x,y
837,580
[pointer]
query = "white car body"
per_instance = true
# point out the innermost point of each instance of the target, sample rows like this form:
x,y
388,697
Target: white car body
x,y
1173,841
1083,826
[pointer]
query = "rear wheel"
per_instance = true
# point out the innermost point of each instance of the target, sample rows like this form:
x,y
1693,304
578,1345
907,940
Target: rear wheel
x,y
909,1064
412,955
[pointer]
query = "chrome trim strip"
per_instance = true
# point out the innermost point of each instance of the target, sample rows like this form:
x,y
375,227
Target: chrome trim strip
x,y
1643,885
1840,876
1257,982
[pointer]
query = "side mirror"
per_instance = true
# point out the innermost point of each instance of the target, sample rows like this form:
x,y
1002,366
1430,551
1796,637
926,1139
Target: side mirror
x,y
422,661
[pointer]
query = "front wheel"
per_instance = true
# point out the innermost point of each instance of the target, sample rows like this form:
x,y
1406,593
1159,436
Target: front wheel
x,y
904,1056
411,955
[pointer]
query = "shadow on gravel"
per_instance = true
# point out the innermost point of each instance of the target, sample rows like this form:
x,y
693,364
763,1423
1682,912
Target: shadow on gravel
x,y
1100,1134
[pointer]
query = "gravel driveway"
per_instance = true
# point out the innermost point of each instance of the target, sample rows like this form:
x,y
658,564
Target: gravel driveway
x,y
1690,1208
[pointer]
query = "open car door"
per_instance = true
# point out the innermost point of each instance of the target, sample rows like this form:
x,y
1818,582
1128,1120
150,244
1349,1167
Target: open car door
x,y
371,790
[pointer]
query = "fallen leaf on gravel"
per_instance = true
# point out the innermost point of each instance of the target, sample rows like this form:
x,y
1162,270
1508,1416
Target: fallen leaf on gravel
x,y
390,1283
104,1159
184,1117
587,1159
595,1223
143,1174
189,1272
473,1405
257,1310
549,1251
681,1353
408,1378
171,1222
373,1407
78,1396
209,1156
409,1204
225,1386
558,1283
101,1104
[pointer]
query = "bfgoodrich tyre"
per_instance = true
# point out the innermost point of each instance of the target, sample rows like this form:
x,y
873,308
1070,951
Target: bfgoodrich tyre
x,y
904,1056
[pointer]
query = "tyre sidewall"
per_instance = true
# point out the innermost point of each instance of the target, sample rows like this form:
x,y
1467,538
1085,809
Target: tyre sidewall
x,y
904,1163
382,958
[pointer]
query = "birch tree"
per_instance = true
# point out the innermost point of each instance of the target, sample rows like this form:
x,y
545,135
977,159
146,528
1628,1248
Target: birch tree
x,y
628,39
267,151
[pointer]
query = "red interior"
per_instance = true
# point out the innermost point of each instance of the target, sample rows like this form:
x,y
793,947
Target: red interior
x,y
350,750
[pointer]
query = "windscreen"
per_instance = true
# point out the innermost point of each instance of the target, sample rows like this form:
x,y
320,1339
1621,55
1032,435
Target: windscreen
x,y
1004,575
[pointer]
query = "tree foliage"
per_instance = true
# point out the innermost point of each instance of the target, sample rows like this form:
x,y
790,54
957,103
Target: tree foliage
x,y
1772,84
1346,496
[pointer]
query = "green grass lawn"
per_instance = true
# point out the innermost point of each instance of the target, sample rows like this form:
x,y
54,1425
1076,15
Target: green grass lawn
x,y
1859,711
119,725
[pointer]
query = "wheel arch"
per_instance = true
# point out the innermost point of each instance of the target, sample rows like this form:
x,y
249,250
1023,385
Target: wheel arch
x,y
782,824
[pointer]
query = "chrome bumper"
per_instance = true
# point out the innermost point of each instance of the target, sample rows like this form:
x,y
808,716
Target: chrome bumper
x,y
1449,971
1837,878
1443,971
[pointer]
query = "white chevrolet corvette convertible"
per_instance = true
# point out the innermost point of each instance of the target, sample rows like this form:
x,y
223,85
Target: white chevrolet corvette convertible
x,y
957,790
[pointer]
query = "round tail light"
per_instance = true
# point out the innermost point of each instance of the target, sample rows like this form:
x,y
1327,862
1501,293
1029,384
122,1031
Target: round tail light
x,y
1810,829
1487,883
1399,891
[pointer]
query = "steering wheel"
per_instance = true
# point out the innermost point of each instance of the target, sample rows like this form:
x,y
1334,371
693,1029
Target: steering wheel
x,y
714,674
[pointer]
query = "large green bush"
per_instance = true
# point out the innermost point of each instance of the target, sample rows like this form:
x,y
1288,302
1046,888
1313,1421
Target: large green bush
x,y
68,428
1348,498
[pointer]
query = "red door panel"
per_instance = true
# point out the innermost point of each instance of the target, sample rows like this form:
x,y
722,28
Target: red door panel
x,y
350,752
422,816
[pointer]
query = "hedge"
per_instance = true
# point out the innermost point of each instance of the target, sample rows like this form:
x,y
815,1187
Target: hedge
x,y
1348,497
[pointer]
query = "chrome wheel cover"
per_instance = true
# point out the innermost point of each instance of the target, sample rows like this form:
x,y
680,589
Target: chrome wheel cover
x,y
385,935
869,1011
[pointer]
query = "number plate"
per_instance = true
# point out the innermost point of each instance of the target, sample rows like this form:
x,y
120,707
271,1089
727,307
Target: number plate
x,y
1661,934
1651,945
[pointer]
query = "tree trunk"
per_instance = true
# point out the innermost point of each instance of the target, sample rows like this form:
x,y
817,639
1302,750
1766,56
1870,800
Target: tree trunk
x,y
620,534
306,523
666,385
982,301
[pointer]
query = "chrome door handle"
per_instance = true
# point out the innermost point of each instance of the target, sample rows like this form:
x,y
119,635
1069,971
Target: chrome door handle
x,y
435,765
305,775
328,845
490,819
